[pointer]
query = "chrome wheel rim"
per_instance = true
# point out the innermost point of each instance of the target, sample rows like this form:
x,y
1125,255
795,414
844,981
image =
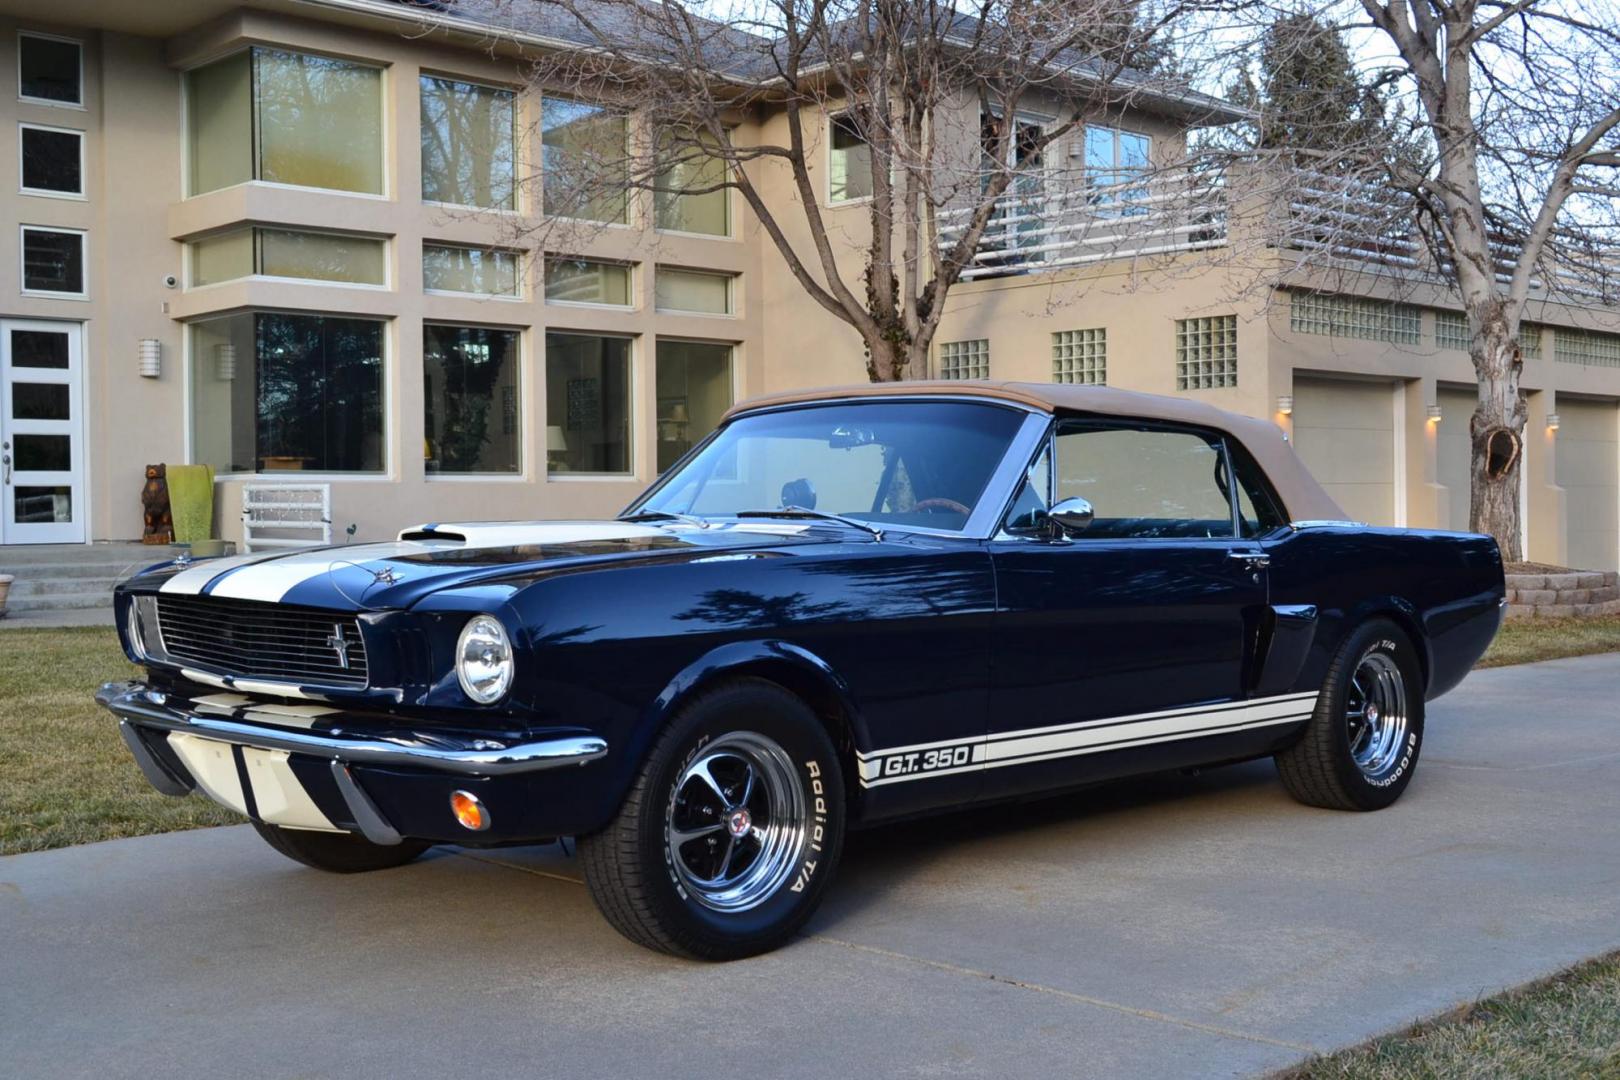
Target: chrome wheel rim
x,y
736,822
1376,717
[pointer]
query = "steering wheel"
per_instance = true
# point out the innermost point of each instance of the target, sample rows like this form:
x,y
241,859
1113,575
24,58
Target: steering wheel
x,y
943,504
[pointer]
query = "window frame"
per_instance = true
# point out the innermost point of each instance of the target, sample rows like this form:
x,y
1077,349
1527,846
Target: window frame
x,y
731,233
631,214
519,293
827,186
517,208
77,43
385,126
591,305
1062,424
46,193
729,277
254,229
190,361
525,397
633,440
84,261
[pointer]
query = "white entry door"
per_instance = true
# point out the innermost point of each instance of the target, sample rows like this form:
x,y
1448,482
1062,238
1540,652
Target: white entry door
x,y
41,433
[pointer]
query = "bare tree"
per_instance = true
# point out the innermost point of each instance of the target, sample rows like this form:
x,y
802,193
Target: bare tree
x,y
1504,190
924,99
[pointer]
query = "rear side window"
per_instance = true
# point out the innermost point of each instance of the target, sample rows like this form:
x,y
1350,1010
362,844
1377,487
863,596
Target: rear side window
x,y
1145,482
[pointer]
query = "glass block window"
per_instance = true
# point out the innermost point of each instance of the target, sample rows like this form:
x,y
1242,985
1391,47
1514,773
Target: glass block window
x,y
1530,340
1451,330
1206,352
1586,347
965,359
1355,316
1080,356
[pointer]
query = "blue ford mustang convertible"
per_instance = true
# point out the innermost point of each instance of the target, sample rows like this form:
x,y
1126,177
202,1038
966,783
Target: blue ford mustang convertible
x,y
842,608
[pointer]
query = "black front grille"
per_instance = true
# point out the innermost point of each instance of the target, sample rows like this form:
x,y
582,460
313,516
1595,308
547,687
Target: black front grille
x,y
251,639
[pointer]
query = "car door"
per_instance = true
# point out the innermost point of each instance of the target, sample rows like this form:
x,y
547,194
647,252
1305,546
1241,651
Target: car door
x,y
1113,644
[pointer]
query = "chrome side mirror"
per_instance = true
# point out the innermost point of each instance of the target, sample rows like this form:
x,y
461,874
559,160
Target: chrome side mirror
x,y
1071,517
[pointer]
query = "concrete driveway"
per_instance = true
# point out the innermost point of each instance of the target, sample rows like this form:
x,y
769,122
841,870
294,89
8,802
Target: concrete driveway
x,y
1180,926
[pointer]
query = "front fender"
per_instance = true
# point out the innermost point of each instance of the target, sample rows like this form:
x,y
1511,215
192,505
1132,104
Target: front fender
x,y
793,666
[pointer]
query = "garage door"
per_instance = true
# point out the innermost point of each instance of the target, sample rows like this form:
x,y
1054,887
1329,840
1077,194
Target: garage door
x,y
1589,473
1345,432
1454,449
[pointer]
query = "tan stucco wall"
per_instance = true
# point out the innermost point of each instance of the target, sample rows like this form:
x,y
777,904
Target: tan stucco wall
x,y
138,221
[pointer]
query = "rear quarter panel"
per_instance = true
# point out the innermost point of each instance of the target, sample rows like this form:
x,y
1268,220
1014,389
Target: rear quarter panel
x,y
1445,589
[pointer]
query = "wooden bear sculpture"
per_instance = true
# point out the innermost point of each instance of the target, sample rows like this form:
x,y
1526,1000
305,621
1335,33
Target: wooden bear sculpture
x,y
155,501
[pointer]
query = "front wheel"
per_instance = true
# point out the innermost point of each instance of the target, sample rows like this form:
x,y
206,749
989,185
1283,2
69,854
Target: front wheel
x,y
1361,745
730,834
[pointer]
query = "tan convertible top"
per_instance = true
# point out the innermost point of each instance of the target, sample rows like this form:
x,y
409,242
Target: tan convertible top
x,y
1303,498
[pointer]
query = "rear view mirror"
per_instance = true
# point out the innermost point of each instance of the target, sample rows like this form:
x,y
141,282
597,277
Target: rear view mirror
x,y
1070,516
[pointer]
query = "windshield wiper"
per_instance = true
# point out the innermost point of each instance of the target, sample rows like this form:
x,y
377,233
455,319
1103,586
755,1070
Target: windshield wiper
x,y
820,515
668,515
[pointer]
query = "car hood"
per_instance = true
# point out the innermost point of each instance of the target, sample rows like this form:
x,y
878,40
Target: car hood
x,y
428,558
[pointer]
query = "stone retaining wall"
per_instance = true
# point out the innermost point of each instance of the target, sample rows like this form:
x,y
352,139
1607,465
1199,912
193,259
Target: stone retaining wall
x,y
1554,595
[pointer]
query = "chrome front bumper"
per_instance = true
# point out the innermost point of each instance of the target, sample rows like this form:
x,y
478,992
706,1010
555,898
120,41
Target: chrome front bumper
x,y
137,705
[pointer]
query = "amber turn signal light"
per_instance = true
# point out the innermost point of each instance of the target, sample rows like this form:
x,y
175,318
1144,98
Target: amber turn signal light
x,y
469,811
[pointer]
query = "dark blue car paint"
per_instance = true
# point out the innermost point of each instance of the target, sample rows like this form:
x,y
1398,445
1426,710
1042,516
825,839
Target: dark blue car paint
x,y
912,639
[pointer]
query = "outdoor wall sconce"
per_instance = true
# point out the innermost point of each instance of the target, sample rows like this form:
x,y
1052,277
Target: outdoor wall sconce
x,y
1552,421
1434,414
225,361
151,354
1285,404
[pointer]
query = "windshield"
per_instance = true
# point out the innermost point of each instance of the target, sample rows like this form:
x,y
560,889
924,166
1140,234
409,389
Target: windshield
x,y
916,463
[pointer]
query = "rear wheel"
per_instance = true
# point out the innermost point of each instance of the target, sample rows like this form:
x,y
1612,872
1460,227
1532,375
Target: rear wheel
x,y
1361,745
340,853
730,834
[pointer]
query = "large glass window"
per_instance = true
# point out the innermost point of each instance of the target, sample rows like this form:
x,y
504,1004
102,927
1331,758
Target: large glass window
x,y
471,387
485,271
691,196
52,160
692,290
286,253
694,392
278,392
587,403
50,70
286,118
53,261
469,140
922,464
584,156
849,160
586,281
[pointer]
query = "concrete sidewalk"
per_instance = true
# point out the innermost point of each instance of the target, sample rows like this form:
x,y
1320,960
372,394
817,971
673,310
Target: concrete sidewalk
x,y
1177,927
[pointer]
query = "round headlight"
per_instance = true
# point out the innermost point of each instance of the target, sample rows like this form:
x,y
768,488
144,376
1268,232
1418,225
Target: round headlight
x,y
484,660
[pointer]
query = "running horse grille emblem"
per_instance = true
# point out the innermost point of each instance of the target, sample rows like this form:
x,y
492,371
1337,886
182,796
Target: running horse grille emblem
x,y
340,645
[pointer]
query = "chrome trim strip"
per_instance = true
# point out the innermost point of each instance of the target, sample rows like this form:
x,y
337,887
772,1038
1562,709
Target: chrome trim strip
x,y
150,708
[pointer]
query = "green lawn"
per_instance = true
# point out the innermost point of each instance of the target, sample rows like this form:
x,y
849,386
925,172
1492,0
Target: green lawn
x,y
65,775
1521,641
1567,1026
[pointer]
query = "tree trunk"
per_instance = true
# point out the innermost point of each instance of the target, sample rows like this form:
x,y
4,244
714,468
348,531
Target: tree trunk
x,y
1496,431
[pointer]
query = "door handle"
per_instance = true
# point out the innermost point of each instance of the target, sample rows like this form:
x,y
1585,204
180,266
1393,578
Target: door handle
x,y
1254,560
5,463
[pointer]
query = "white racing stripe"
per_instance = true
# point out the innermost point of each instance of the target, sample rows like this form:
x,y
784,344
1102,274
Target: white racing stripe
x,y
192,580
1001,749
